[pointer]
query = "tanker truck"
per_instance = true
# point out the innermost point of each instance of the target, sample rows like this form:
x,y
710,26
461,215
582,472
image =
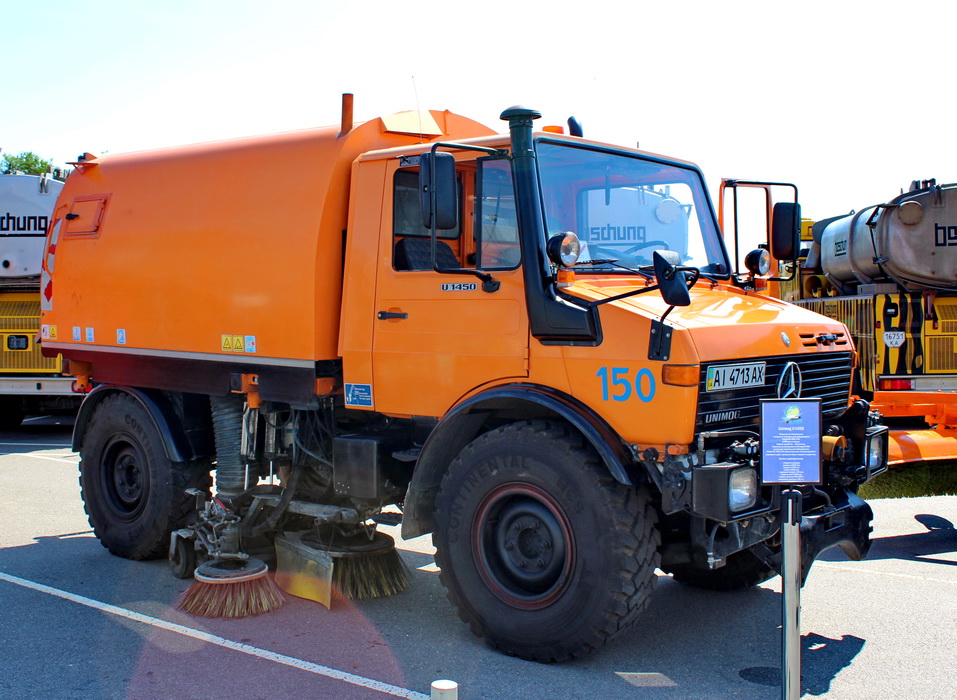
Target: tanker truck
x,y
889,272
29,382
530,343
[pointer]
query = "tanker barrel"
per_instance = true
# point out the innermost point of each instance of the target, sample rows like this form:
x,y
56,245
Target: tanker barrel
x,y
909,242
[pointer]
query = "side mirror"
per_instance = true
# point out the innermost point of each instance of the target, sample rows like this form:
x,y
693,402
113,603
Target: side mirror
x,y
671,281
437,176
785,230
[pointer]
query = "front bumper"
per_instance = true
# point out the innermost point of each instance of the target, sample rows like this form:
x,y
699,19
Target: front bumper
x,y
845,522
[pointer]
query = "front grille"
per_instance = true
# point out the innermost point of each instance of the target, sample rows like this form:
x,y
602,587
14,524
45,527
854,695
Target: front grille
x,y
825,375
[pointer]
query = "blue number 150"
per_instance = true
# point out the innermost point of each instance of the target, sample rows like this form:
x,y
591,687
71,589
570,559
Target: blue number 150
x,y
617,385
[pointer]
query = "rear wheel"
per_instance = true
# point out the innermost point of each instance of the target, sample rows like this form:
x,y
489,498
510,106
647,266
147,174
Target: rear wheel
x,y
133,494
543,553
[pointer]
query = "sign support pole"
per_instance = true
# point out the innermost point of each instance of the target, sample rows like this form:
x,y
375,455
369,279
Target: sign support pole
x,y
791,575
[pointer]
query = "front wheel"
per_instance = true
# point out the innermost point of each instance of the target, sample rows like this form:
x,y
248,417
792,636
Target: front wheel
x,y
543,553
133,494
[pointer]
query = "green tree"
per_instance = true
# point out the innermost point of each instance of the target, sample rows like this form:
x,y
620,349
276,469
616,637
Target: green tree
x,y
27,162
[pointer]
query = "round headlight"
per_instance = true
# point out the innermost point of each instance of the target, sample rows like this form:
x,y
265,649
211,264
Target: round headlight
x,y
563,249
758,261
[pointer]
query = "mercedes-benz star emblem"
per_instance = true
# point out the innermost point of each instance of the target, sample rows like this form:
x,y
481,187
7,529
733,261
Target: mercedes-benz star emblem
x,y
789,383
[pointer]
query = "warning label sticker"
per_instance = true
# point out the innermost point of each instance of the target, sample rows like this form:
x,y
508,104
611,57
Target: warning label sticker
x,y
237,343
359,395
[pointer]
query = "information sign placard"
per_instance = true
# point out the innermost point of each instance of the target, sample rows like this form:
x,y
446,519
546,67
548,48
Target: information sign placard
x,y
791,441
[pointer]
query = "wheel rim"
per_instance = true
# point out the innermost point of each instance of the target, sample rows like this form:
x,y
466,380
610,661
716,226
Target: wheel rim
x,y
125,478
523,546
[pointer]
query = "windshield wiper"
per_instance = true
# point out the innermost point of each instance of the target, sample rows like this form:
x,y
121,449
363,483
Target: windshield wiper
x,y
614,263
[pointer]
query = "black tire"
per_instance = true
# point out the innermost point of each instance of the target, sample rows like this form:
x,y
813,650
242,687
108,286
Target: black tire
x,y
544,555
742,570
133,494
11,412
182,558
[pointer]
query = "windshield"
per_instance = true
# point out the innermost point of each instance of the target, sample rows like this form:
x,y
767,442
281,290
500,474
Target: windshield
x,y
624,208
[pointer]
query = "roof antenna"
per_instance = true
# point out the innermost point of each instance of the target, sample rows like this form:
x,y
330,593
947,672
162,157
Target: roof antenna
x,y
418,110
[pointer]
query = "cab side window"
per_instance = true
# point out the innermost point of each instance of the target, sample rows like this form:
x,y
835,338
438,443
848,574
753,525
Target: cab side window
x,y
412,242
496,220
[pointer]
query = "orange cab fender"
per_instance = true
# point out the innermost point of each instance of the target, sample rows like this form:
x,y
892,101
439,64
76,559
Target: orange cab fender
x,y
487,410
156,405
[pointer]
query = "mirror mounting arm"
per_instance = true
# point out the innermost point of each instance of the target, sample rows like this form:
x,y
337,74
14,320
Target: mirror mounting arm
x,y
430,183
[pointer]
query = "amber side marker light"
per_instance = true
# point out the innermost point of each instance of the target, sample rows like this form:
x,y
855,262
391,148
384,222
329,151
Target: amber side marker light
x,y
681,375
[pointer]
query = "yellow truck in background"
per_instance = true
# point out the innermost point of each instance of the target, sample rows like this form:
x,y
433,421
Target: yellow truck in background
x,y
889,273
29,382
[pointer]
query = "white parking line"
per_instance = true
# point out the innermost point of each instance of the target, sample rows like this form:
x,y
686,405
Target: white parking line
x,y
44,445
36,456
866,570
291,661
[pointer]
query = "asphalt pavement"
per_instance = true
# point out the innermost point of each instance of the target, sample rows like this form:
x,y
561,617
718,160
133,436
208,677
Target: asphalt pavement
x,y
76,622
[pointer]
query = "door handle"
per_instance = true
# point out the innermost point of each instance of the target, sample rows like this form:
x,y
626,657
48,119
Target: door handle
x,y
384,315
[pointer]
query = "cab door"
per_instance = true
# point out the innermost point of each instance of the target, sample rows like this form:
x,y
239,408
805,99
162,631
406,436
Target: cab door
x,y
439,335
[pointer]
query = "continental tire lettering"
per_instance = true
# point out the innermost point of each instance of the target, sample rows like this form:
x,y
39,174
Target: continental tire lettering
x,y
134,424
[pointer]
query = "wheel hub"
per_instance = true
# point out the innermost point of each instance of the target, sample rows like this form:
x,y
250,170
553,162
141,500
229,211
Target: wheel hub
x,y
526,538
522,541
126,478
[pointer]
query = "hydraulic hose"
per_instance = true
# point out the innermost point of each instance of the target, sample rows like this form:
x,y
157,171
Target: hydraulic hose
x,y
227,412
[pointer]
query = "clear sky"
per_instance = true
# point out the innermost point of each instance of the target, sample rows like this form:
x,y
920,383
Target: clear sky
x,y
849,100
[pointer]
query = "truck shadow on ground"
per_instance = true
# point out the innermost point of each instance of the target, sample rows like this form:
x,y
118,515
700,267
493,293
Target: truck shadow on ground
x,y
940,538
734,637
50,433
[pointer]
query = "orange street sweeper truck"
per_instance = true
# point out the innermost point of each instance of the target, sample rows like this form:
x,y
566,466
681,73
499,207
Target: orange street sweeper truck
x,y
530,343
